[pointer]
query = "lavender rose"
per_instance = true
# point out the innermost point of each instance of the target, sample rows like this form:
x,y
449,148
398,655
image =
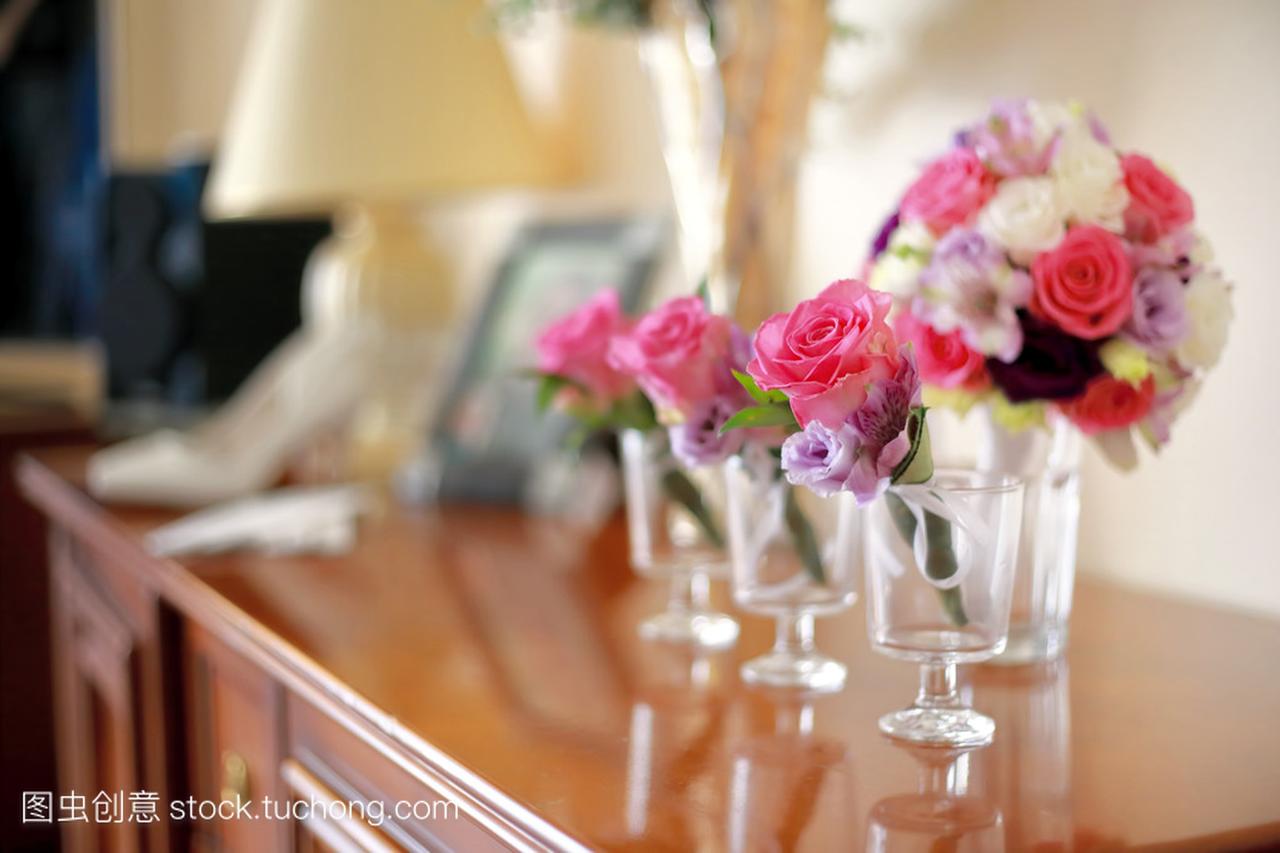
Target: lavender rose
x,y
1159,318
820,458
1051,366
698,441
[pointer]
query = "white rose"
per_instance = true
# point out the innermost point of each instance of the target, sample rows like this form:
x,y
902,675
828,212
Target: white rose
x,y
915,236
1025,217
1208,303
1201,250
897,270
897,274
1089,180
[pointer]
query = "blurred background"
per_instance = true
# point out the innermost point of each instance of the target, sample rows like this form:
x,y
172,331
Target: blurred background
x,y
140,292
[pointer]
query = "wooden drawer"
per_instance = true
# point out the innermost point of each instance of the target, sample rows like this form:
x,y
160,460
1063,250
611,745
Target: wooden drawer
x,y
233,744
113,716
326,761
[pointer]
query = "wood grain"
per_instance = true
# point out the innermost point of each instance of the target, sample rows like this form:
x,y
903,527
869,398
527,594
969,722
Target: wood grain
x,y
494,658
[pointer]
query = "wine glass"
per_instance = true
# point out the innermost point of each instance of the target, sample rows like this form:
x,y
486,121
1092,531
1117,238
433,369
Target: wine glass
x,y
940,560
676,529
794,557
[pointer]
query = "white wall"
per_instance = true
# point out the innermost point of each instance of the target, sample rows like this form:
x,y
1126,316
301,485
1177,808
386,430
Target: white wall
x,y
1194,84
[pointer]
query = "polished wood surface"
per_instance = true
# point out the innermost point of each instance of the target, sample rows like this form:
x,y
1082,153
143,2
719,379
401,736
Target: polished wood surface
x,y
495,657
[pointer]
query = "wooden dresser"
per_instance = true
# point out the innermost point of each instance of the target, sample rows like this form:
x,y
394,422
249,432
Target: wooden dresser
x,y
483,668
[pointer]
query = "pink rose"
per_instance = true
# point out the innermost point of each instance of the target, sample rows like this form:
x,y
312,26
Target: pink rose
x,y
1085,284
827,351
943,358
678,353
1109,403
1157,205
950,192
577,347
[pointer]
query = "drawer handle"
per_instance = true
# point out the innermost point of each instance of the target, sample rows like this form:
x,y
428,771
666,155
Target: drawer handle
x,y
235,777
346,833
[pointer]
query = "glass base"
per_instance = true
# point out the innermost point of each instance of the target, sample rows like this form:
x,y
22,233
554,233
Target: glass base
x,y
955,727
695,628
789,670
1031,644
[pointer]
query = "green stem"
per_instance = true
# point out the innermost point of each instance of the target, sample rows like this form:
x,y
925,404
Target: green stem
x,y
682,490
940,558
803,538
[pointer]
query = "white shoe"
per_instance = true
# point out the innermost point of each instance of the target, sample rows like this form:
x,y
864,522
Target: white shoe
x,y
310,382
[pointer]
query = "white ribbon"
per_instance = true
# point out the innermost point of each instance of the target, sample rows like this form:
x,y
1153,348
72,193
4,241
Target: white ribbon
x,y
955,510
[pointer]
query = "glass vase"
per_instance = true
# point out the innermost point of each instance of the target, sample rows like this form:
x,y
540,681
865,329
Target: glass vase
x,y
733,94
676,532
1047,460
794,557
940,561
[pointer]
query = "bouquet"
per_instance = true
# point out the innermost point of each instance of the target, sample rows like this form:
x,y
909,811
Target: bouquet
x,y
1039,269
833,375
672,368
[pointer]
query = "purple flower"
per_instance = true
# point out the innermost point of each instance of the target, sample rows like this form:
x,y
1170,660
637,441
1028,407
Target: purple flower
x,y
1009,142
698,441
820,458
860,456
882,417
1159,318
881,242
1051,366
970,286
881,425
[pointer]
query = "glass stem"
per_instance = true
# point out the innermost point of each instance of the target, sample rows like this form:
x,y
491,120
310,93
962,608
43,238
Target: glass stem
x,y
690,593
794,634
938,686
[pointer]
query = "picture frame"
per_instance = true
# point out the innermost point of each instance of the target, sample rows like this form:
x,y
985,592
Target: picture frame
x,y
489,439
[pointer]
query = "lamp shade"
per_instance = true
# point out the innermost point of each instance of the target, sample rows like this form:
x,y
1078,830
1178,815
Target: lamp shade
x,y
395,100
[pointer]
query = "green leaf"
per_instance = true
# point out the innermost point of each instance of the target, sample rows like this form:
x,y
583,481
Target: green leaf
x,y
757,393
704,292
940,559
548,387
760,416
917,465
633,412
682,490
550,384
803,538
